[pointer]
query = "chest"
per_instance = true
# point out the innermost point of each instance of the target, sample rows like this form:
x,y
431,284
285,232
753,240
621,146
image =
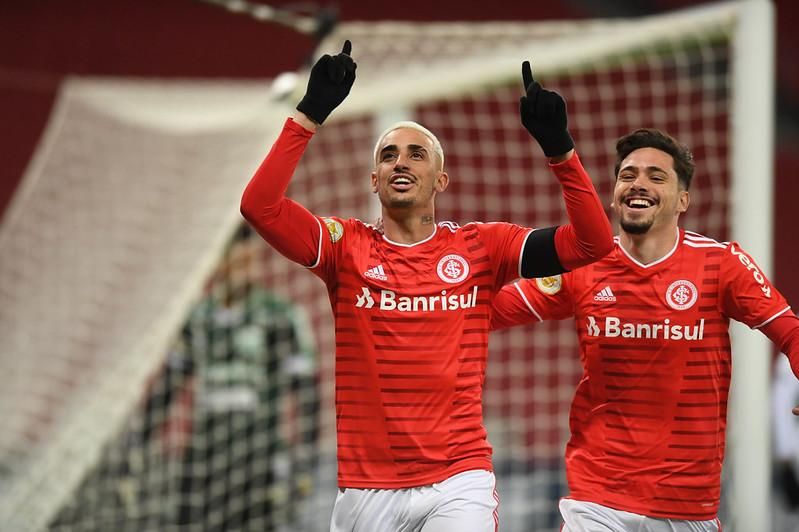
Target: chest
x,y
684,291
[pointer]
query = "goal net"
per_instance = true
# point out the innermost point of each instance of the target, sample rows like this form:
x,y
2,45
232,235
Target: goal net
x,y
163,369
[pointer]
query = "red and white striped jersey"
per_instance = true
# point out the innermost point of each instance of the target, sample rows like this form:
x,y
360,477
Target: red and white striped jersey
x,y
649,415
411,345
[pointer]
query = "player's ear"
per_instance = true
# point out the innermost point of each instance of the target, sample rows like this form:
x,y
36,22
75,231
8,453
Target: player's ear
x,y
442,182
683,201
374,183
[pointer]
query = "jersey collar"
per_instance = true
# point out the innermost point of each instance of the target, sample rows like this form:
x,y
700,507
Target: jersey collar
x,y
435,230
656,261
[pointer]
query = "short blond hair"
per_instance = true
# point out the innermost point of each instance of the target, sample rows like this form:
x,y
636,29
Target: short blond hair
x,y
409,124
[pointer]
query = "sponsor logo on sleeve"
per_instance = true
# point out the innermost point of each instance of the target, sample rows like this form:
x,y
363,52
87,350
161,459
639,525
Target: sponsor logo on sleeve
x,y
549,285
452,269
681,295
334,228
757,275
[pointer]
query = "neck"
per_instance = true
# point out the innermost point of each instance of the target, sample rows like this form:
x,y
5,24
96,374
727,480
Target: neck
x,y
408,228
650,246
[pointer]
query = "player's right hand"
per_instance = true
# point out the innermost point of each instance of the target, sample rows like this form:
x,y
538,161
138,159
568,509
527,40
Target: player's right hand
x,y
543,113
329,84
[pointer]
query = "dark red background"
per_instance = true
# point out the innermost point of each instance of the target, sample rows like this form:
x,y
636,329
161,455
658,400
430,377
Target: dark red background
x,y
44,40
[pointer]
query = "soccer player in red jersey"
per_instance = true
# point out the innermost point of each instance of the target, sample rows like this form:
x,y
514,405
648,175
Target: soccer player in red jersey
x,y
649,415
411,302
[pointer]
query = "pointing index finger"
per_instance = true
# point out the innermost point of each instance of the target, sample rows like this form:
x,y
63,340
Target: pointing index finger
x,y
527,74
347,47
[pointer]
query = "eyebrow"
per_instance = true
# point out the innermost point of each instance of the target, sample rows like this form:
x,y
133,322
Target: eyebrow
x,y
393,147
649,169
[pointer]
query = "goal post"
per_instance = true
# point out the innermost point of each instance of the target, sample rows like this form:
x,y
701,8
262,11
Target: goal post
x,y
124,268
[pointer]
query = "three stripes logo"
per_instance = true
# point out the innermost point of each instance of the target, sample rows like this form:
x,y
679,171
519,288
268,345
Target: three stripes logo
x,y
376,272
606,294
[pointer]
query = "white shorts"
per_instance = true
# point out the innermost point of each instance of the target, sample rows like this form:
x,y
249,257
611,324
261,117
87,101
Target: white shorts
x,y
581,516
466,502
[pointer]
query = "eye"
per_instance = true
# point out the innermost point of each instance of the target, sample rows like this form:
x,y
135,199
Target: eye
x,y
387,156
418,155
626,177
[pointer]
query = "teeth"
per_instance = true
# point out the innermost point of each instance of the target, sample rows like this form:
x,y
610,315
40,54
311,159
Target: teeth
x,y
639,203
402,181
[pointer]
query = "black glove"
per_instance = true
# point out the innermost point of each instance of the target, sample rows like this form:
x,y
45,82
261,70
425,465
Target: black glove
x,y
544,115
329,84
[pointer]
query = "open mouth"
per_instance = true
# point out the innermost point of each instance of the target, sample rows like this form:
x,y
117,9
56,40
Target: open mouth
x,y
639,203
401,183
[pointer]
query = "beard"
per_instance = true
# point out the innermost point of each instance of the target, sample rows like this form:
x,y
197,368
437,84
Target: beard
x,y
638,227
399,203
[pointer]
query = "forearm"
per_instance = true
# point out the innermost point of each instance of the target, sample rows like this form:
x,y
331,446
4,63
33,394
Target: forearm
x,y
268,186
588,236
286,225
784,332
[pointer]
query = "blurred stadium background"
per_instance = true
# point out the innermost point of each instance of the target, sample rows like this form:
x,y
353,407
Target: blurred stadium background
x,y
229,427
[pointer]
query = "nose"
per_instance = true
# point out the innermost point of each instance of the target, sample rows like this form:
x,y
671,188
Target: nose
x,y
639,183
401,162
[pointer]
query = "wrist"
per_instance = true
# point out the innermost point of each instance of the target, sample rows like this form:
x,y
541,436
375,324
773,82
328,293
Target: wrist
x,y
557,159
304,120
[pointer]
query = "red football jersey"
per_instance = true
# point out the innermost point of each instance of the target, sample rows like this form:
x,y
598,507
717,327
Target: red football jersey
x,y
649,415
411,320
411,346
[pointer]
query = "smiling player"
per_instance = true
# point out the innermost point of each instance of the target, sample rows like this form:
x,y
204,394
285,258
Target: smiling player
x,y
648,419
411,305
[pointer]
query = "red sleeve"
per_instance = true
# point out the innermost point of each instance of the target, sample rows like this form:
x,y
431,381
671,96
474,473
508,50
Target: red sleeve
x,y
504,242
511,308
588,237
532,300
288,226
784,332
746,294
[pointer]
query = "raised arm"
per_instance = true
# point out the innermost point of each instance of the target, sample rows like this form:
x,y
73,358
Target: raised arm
x,y
784,332
588,236
286,225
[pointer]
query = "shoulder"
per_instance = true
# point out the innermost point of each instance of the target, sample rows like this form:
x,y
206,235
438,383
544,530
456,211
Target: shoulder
x,y
700,241
337,228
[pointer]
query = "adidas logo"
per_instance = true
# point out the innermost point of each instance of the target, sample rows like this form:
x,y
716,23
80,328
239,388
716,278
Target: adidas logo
x,y
376,272
606,294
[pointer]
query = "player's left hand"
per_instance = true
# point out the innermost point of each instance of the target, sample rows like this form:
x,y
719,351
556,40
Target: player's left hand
x,y
795,410
329,84
543,113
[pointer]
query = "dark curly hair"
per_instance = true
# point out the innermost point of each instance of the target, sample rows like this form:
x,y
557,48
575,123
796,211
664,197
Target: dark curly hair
x,y
654,138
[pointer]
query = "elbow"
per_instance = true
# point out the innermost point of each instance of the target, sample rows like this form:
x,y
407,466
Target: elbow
x,y
605,246
247,206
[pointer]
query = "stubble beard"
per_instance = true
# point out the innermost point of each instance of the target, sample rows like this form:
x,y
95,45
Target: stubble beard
x,y
637,228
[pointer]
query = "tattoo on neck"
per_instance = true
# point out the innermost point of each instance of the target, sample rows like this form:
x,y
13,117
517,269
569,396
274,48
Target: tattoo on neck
x,y
427,219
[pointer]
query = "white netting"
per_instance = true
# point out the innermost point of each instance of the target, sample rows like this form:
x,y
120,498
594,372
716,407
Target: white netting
x,y
134,194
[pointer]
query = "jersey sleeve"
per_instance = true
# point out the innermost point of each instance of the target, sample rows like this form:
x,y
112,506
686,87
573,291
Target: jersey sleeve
x,y
588,236
288,226
746,293
504,243
532,300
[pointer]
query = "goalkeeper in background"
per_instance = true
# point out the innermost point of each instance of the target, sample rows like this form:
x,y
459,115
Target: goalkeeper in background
x,y
648,419
411,302
247,361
